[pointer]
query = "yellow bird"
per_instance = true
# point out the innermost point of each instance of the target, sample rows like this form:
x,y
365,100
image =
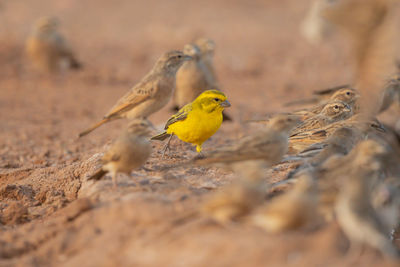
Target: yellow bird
x,y
196,121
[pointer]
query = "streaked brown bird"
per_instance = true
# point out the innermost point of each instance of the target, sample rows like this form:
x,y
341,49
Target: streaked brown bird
x,y
129,151
332,112
47,49
303,140
151,94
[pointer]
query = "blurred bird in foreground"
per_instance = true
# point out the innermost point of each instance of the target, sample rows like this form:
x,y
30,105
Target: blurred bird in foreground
x,y
366,154
47,49
248,158
129,151
371,27
291,210
238,199
268,145
341,142
197,121
151,94
356,215
390,93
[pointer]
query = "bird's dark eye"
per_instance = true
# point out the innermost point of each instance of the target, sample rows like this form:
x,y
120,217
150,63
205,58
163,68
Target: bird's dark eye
x,y
179,56
336,106
347,93
217,99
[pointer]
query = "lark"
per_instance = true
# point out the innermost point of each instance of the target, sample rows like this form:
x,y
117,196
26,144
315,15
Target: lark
x,y
207,49
332,112
47,49
148,96
303,140
129,151
192,78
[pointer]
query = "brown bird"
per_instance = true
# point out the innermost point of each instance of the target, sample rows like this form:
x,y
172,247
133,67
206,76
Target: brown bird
x,y
344,93
371,27
192,78
366,154
356,215
238,199
332,112
148,96
291,210
303,140
47,49
269,145
390,93
129,151
340,142
207,49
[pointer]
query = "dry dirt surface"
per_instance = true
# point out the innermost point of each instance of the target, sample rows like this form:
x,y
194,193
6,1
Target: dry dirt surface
x,y
50,215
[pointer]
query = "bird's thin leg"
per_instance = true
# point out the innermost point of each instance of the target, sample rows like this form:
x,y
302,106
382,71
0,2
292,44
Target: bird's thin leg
x,y
166,146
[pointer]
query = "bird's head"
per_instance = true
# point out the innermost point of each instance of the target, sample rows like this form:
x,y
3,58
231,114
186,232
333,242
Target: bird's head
x,y
207,46
46,24
337,109
192,50
171,61
212,101
346,95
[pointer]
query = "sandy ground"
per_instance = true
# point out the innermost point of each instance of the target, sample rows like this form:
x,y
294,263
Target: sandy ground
x,y
51,216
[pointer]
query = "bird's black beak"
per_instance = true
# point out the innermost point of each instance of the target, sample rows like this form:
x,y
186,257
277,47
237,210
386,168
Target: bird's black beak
x,y
225,104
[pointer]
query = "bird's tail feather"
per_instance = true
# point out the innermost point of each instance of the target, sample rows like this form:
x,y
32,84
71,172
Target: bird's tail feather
x,y
161,136
95,126
97,175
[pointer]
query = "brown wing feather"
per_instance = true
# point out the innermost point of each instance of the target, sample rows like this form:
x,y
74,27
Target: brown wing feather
x,y
137,95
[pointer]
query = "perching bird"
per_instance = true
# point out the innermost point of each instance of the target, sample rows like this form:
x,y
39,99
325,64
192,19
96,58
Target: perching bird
x,y
47,49
332,112
197,121
269,145
148,96
129,151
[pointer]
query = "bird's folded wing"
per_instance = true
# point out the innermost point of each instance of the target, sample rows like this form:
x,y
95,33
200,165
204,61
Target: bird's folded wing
x,y
179,116
134,97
